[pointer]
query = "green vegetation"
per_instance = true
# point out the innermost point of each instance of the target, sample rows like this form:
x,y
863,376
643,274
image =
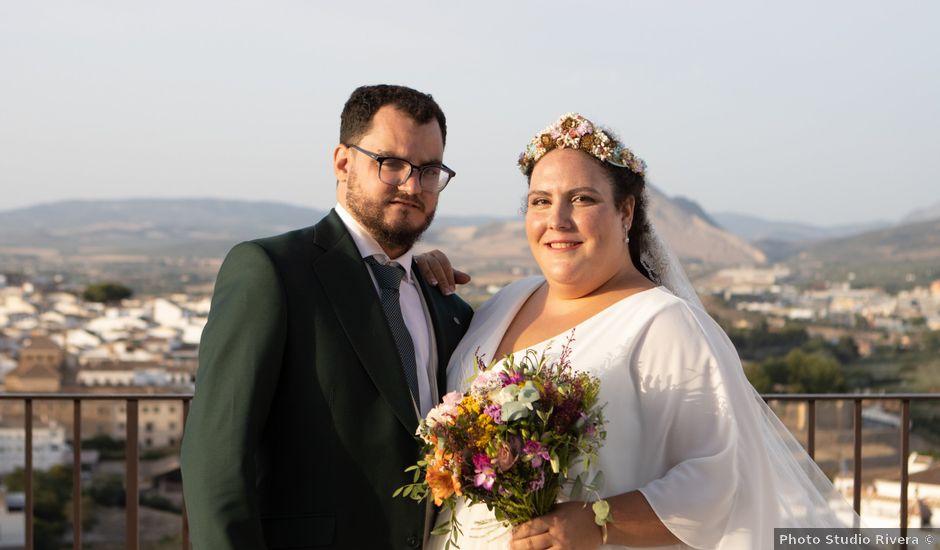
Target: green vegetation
x,y
108,447
107,292
52,494
797,372
789,361
760,342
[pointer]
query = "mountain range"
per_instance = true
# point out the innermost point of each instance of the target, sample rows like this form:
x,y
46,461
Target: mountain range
x,y
208,227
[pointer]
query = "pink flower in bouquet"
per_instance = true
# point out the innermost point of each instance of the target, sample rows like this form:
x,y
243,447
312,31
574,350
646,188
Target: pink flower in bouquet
x,y
505,458
511,378
446,412
485,474
536,453
485,382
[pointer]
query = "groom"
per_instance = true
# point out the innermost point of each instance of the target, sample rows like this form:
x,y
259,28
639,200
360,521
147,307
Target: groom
x,y
322,349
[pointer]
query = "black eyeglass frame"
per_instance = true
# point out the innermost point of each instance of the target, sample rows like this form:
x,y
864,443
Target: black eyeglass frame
x,y
411,169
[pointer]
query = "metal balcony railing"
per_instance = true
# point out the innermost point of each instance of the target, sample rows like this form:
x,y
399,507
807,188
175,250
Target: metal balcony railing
x,y
132,458
857,399
132,449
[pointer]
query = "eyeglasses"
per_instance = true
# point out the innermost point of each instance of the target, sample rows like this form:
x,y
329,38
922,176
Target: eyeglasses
x,y
395,171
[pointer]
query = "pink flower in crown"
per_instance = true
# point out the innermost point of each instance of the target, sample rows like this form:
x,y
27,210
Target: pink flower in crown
x,y
585,128
485,474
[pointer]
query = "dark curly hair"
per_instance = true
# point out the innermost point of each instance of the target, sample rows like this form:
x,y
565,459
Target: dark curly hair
x,y
627,183
365,101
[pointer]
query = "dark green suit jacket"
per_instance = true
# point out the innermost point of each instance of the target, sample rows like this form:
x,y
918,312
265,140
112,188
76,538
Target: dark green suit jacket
x,y
302,422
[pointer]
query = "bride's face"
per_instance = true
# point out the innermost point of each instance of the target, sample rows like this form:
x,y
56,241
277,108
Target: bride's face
x,y
574,229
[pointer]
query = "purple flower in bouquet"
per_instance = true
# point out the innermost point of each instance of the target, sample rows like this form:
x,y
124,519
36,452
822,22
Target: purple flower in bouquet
x,y
536,453
495,411
537,484
485,474
511,378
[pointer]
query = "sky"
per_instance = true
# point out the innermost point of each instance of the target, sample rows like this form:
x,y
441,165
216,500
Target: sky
x,y
824,112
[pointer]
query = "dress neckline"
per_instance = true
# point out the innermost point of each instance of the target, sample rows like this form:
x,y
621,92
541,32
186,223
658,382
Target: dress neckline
x,y
524,297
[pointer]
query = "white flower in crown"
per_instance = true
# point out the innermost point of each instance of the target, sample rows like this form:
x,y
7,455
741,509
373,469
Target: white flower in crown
x,y
573,131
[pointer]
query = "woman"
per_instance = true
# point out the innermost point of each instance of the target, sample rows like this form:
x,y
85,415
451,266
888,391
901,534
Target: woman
x,y
692,457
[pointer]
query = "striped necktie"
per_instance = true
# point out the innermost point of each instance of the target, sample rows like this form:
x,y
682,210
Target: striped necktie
x,y
389,277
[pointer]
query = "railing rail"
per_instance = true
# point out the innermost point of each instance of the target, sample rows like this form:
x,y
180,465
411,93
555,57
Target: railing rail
x,y
132,400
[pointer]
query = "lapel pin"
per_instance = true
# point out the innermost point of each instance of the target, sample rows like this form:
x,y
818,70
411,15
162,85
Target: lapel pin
x,y
456,320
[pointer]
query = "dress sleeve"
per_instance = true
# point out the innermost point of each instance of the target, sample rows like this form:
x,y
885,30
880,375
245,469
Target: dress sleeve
x,y
689,426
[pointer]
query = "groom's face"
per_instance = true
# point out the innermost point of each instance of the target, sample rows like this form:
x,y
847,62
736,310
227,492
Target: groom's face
x,y
394,216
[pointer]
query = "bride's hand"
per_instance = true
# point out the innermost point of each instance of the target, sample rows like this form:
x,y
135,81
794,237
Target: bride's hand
x,y
569,525
436,270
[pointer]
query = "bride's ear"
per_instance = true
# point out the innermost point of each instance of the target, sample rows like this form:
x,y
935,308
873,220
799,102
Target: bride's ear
x,y
626,211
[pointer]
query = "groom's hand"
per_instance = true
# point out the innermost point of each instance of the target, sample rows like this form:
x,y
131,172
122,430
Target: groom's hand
x,y
436,270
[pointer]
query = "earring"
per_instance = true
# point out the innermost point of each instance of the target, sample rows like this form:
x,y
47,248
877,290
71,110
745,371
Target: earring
x,y
626,234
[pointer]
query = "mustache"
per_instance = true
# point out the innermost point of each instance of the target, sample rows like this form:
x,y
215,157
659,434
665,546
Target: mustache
x,y
407,198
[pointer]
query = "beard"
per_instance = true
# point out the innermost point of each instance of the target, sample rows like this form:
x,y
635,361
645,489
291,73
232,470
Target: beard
x,y
370,212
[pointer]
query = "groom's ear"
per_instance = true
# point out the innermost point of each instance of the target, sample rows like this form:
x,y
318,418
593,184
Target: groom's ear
x,y
341,163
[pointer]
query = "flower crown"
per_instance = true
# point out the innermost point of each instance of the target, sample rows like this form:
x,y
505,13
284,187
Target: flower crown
x,y
573,131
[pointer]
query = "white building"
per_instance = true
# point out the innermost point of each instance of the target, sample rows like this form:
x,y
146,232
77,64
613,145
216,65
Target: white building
x,y
49,447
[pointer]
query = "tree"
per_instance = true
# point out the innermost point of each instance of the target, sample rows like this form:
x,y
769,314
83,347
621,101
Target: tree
x,y
106,292
797,372
817,372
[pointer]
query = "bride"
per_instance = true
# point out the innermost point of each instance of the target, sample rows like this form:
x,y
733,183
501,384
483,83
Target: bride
x,y
693,457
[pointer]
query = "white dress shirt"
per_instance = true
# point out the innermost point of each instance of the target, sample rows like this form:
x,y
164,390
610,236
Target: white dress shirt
x,y
413,309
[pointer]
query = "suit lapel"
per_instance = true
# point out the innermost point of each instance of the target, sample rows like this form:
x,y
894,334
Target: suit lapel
x,y
350,289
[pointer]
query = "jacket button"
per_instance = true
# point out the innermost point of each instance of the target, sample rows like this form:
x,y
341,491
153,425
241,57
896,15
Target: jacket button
x,y
414,542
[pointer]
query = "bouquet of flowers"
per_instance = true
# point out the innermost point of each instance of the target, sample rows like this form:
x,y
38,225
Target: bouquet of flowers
x,y
512,440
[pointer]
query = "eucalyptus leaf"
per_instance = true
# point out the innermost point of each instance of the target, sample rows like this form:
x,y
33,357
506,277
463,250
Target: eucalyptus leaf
x,y
577,489
601,512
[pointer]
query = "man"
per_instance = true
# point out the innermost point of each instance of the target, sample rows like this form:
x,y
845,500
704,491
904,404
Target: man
x,y
320,355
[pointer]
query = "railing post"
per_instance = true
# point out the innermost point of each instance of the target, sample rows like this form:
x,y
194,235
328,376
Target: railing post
x,y
811,431
905,451
132,463
28,470
185,518
857,460
77,474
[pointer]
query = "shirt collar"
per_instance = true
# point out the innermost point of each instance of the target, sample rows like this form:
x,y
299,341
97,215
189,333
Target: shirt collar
x,y
367,245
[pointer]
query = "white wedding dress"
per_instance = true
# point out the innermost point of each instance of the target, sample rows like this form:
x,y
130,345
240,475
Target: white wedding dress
x,y
684,426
